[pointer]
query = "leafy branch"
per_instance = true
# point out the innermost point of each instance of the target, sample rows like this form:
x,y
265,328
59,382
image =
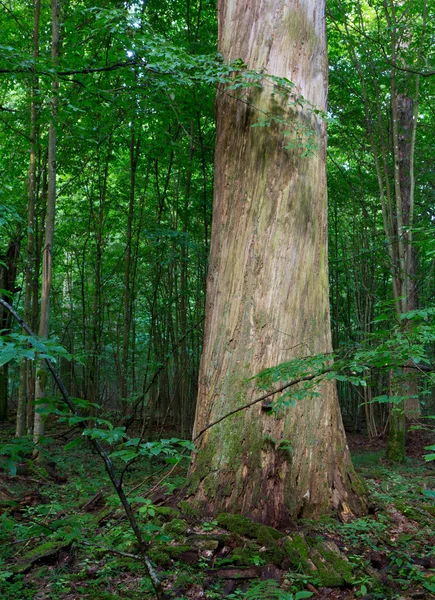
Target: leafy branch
x,y
400,350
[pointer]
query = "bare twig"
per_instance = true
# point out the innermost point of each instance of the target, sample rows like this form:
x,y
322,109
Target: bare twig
x,y
111,550
107,463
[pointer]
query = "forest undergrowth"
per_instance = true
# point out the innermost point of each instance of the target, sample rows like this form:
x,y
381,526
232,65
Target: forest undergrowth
x,y
64,535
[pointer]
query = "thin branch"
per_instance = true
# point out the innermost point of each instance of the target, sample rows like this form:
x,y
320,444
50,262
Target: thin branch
x,y
291,384
90,70
111,550
411,70
85,71
261,399
107,463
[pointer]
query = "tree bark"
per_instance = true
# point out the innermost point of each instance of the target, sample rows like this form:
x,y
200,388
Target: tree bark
x,y
47,256
267,291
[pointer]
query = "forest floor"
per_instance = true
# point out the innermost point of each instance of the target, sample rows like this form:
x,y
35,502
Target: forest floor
x,y
64,537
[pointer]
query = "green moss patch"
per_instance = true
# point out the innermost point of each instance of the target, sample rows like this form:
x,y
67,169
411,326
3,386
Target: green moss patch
x,y
160,558
244,526
267,537
190,510
167,513
332,568
42,553
176,528
319,557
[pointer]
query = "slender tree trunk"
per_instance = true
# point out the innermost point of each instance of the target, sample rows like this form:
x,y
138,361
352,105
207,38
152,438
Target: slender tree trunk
x,y
134,157
47,255
404,112
186,404
26,365
267,293
98,305
396,189
407,113
39,238
8,274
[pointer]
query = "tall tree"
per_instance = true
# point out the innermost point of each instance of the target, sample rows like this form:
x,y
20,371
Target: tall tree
x,y
47,256
267,293
381,39
27,389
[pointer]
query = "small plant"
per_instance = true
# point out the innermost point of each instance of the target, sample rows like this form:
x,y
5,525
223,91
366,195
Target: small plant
x,y
209,525
296,582
268,590
147,509
15,452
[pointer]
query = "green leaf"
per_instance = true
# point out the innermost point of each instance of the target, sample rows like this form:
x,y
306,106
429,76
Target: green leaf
x,y
77,419
7,354
73,444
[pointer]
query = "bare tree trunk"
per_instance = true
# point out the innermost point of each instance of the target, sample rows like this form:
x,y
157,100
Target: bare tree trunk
x,y
186,406
407,116
97,318
392,138
404,112
267,293
8,274
26,365
47,255
134,157
39,232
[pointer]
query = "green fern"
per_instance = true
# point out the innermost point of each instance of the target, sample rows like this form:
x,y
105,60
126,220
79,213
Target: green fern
x,y
270,590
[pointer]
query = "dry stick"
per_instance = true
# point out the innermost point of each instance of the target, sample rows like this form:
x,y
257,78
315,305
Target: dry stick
x,y
22,478
136,487
165,476
111,550
107,463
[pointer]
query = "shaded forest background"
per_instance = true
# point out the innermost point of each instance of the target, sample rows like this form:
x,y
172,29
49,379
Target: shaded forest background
x,y
129,92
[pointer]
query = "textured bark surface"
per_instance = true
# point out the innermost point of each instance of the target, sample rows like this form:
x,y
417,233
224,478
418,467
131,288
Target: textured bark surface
x,y
406,133
267,293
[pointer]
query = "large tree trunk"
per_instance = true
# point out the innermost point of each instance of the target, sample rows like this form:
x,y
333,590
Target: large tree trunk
x,y
267,292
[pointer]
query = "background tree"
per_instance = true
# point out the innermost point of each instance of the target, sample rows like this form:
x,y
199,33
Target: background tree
x,y
378,98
